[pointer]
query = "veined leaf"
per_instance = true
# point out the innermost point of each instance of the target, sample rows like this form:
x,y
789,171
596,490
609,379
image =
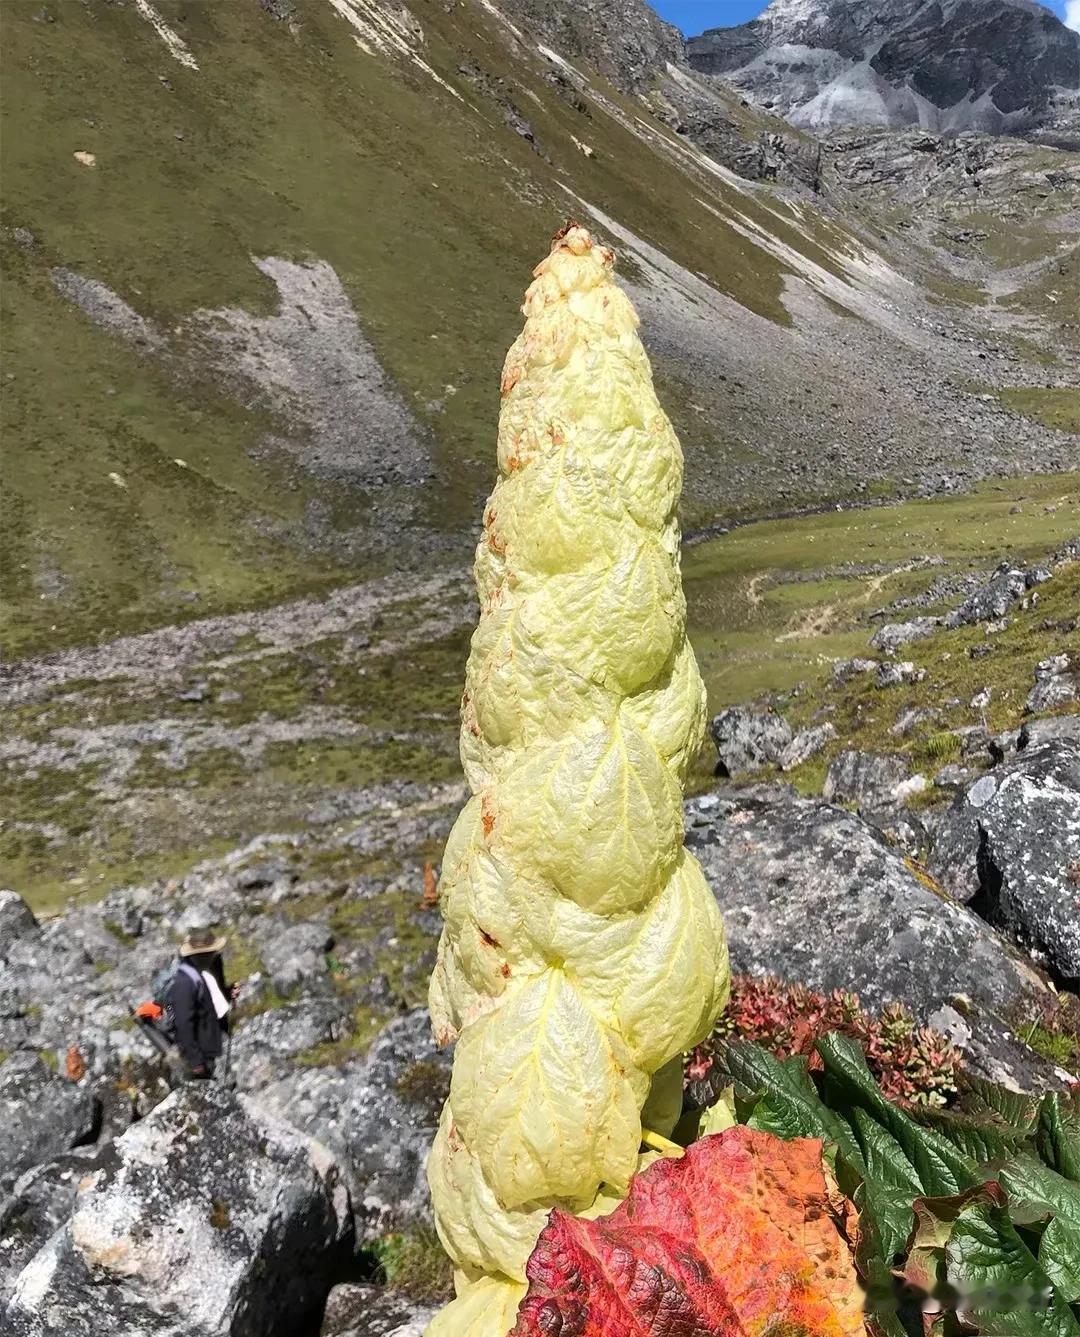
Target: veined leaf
x,y
787,1103
484,1308
1003,1292
547,1098
1059,1258
1035,1191
985,1100
935,1220
737,1238
982,1139
1059,1133
942,1170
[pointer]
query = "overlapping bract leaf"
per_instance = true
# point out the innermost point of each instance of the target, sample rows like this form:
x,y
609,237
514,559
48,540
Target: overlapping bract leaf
x,y
582,950
738,1238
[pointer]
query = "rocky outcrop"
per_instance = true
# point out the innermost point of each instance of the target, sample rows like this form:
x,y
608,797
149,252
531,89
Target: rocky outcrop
x,y
366,1311
41,1115
815,895
747,740
870,780
1055,684
209,1216
994,65
889,638
379,1114
1010,847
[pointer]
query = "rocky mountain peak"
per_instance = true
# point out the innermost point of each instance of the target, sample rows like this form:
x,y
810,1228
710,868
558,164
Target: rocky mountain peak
x,y
995,65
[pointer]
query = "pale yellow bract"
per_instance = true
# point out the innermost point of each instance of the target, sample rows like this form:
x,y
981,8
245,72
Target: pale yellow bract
x,y
582,951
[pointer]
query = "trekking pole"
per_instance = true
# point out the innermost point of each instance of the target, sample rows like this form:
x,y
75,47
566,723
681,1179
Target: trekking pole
x,y
228,1057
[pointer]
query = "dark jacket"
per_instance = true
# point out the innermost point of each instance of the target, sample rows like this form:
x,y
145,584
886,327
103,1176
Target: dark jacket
x,y
198,1031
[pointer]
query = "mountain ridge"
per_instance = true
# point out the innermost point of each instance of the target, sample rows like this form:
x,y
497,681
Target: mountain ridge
x,y
998,66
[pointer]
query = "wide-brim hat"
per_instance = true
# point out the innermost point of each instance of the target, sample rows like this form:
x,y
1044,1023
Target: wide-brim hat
x,y
202,940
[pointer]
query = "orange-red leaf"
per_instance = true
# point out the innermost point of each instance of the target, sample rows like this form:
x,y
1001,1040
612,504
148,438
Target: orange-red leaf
x,y
738,1238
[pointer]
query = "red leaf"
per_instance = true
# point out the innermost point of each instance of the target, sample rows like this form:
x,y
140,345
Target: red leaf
x,y
735,1239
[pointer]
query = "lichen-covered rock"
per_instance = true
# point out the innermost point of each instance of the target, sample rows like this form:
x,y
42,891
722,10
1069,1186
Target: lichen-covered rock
x,y
805,744
367,1311
378,1113
41,1115
870,780
210,1216
890,637
747,740
1035,733
815,895
992,600
1055,684
1010,845
16,919
38,1205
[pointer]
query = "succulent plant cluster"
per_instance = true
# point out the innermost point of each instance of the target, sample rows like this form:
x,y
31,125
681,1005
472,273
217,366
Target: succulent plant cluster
x,y
913,1065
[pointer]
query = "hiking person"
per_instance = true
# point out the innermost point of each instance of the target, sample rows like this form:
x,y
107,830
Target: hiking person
x,y
201,1002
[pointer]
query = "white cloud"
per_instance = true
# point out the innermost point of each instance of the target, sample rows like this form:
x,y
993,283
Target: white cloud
x,y
1072,15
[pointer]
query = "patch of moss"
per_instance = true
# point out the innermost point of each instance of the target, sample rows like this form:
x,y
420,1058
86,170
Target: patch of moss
x,y
366,1023
425,1084
125,939
415,1264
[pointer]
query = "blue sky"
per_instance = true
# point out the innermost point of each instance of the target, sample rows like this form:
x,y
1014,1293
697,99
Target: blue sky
x,y
694,16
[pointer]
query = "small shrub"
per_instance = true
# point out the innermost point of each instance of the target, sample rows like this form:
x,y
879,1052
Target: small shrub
x,y
913,1065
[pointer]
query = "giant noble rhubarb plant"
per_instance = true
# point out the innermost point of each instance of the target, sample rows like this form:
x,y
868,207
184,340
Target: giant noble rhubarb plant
x,y
582,951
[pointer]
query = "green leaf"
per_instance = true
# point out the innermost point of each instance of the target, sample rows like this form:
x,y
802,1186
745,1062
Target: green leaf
x,y
982,1139
941,1168
988,1101
1036,1192
885,1160
1003,1292
935,1220
890,1211
788,1105
1059,1257
1059,1133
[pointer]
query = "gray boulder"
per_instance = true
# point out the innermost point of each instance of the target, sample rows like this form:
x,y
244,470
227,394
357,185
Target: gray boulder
x,y
1054,686
747,740
41,1115
16,919
870,780
1010,846
264,1046
889,638
1036,733
992,600
813,894
846,669
953,778
806,743
39,1204
210,1216
294,954
899,674
379,1113
368,1311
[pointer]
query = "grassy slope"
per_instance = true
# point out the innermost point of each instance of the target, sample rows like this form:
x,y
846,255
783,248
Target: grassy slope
x,y
775,604
281,144
771,605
